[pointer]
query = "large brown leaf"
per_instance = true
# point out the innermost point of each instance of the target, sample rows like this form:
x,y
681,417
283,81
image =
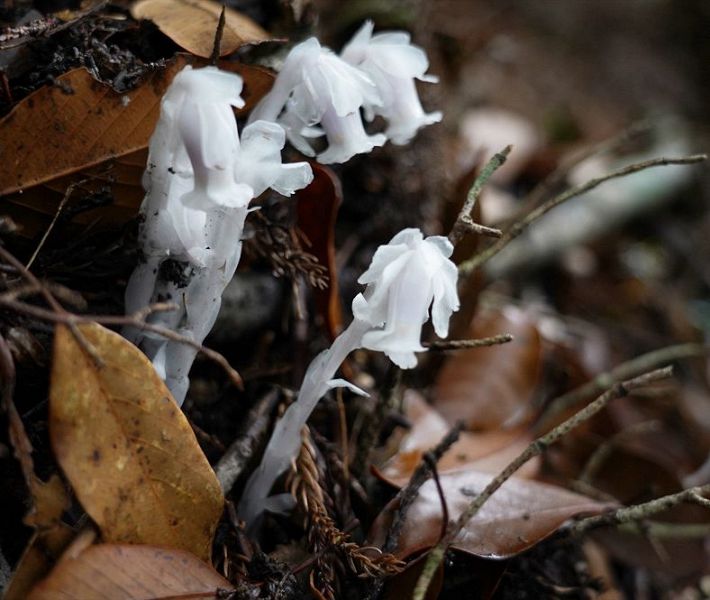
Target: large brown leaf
x,y
127,448
490,388
192,24
519,515
125,572
487,451
52,133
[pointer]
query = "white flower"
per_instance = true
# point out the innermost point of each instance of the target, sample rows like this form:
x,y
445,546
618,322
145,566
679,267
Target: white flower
x,y
405,278
316,86
200,103
393,63
259,161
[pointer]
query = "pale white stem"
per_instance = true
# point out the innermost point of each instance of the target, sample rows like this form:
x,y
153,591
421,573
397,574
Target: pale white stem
x,y
286,437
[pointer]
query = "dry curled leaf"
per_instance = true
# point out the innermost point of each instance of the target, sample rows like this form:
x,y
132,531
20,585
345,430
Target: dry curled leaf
x,y
487,452
80,124
127,448
490,388
519,515
125,572
317,206
192,24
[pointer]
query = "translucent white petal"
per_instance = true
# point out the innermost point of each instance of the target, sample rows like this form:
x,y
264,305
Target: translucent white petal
x,y
336,383
292,177
404,360
383,256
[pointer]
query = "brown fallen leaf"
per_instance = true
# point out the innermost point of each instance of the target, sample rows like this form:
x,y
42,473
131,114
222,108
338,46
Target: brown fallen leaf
x,y
37,560
519,515
486,452
52,133
317,207
492,388
127,449
126,572
192,24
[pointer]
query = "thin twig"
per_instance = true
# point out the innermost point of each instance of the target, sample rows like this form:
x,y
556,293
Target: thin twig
x,y
638,512
660,531
67,194
29,276
535,449
495,340
517,228
464,223
627,370
54,304
557,177
408,494
217,46
604,451
136,320
440,491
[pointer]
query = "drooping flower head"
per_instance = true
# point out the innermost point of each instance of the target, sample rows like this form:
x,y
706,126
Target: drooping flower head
x,y
200,101
393,63
407,277
259,161
316,86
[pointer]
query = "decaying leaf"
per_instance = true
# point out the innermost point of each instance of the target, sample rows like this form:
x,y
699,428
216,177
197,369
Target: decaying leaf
x,y
516,517
40,555
486,452
126,572
80,123
50,500
127,448
317,207
490,388
192,24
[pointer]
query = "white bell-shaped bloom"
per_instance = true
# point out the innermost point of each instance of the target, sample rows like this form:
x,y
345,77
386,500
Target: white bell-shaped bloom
x,y
200,102
392,63
405,278
316,86
259,161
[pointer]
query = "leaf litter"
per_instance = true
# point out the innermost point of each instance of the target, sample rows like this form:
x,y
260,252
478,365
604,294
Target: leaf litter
x,y
499,392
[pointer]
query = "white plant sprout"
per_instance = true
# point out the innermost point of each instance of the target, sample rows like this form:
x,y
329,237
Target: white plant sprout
x,y
405,278
392,63
315,86
199,183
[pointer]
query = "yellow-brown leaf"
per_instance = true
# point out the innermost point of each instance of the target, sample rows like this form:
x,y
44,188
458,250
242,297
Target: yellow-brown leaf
x,y
52,133
124,572
127,448
192,24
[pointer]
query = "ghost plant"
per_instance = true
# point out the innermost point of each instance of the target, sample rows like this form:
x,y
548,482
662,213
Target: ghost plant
x,y
318,93
392,63
199,183
406,277
316,86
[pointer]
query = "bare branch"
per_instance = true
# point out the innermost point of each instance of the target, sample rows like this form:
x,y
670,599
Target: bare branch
x,y
495,340
464,223
639,512
627,370
517,228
